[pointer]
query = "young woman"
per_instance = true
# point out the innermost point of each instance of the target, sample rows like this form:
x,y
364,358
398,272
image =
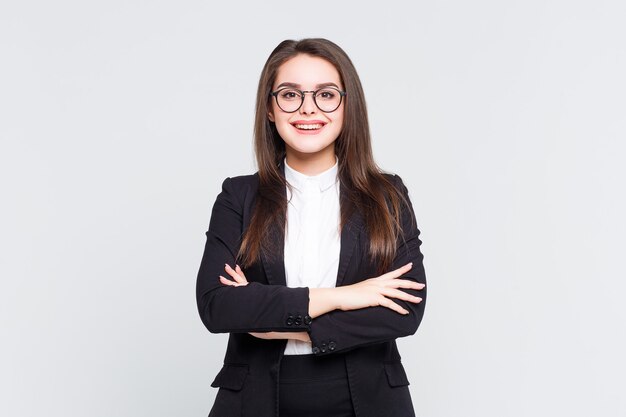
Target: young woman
x,y
313,263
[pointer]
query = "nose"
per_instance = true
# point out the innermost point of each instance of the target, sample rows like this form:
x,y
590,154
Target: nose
x,y
308,106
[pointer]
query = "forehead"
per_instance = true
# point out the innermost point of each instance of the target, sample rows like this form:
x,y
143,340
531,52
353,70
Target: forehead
x,y
308,71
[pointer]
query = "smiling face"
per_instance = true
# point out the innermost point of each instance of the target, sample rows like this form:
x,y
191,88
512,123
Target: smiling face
x,y
309,134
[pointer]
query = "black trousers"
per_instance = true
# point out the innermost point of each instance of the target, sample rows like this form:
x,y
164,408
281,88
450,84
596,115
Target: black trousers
x,y
311,386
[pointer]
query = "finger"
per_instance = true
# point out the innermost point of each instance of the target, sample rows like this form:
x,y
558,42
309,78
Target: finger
x,y
260,335
406,283
229,282
234,274
397,272
401,295
225,281
386,302
240,272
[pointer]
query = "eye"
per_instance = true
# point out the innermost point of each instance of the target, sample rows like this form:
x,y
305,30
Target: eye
x,y
289,94
326,94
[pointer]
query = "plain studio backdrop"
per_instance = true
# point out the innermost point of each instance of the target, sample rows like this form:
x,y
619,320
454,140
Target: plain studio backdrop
x,y
119,120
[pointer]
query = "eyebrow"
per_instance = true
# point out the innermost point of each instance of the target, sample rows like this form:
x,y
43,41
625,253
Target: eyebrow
x,y
294,85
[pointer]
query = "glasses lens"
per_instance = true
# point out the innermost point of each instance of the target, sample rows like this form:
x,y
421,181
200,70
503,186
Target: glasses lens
x,y
328,99
289,100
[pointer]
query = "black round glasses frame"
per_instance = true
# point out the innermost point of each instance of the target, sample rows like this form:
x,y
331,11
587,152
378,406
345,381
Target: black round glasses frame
x,y
302,93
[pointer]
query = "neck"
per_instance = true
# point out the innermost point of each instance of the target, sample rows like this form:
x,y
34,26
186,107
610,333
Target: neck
x,y
311,164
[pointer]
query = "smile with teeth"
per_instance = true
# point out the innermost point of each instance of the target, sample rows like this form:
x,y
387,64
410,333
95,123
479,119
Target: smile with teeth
x,y
309,126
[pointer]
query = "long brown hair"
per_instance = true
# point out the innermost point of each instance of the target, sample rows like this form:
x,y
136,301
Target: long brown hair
x,y
369,191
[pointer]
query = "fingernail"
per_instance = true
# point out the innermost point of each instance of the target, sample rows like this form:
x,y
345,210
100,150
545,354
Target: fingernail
x,y
227,266
237,266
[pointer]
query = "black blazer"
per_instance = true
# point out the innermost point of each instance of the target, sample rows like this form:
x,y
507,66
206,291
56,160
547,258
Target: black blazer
x,y
248,381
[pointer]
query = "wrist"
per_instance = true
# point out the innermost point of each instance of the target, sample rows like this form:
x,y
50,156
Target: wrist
x,y
336,296
323,300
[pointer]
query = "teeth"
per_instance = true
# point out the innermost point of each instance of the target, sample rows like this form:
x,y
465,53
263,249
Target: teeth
x,y
309,127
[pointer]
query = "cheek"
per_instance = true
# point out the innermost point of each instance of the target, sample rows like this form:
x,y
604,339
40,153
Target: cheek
x,y
338,121
283,127
280,117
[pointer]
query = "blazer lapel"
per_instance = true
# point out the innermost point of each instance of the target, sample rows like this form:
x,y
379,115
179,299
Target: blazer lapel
x,y
349,237
275,267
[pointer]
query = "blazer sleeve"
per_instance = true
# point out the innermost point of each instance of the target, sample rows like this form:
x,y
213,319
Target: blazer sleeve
x,y
340,331
253,307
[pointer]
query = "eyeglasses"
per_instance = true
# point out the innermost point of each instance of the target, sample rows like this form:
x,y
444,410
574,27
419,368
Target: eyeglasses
x,y
327,99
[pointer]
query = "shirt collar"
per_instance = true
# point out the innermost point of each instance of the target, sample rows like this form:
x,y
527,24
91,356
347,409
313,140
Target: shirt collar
x,y
324,179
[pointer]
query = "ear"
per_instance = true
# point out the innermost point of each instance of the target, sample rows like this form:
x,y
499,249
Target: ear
x,y
270,115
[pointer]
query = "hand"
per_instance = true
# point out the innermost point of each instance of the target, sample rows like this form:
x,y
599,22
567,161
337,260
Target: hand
x,y
236,274
303,336
374,291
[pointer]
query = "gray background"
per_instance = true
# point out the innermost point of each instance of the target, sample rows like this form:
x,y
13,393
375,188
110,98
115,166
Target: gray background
x,y
120,119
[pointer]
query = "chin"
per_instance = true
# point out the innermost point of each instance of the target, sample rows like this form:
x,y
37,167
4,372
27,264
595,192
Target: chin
x,y
306,150
307,145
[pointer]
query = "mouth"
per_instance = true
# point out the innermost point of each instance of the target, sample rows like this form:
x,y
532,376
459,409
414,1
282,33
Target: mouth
x,y
313,126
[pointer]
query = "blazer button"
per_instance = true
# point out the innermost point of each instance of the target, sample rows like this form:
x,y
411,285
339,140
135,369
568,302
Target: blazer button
x,y
332,345
323,347
307,320
289,320
298,320
316,350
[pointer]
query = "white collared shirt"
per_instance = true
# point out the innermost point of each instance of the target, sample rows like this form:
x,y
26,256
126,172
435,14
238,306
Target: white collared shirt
x,y
312,238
